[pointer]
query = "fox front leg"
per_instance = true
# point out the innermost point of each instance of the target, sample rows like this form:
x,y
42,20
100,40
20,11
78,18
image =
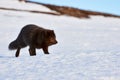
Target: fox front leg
x,y
32,51
45,50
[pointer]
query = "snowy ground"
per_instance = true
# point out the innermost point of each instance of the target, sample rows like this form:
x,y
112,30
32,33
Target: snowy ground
x,y
87,49
15,4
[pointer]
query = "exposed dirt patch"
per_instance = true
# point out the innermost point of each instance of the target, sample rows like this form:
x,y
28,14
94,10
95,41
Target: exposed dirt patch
x,y
32,11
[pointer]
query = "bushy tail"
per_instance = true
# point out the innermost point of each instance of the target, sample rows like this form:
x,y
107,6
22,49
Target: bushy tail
x,y
13,45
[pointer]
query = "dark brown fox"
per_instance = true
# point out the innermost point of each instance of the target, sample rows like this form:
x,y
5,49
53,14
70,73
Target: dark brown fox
x,y
35,37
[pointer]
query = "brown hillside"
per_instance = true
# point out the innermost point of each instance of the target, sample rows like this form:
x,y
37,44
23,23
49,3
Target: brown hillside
x,y
63,10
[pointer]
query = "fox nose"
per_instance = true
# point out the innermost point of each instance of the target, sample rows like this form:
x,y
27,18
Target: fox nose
x,y
56,42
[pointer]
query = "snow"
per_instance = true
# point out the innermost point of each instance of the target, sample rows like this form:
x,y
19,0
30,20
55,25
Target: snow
x,y
87,49
15,4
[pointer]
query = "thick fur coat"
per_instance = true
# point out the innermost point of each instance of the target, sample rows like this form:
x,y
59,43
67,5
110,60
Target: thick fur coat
x,y
34,37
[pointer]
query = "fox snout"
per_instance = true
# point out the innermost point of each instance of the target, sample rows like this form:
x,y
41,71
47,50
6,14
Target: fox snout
x,y
55,42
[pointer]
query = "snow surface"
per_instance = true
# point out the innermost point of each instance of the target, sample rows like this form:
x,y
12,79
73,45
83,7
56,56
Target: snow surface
x,y
15,4
87,49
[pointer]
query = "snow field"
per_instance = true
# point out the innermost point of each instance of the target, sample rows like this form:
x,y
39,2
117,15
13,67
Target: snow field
x,y
87,49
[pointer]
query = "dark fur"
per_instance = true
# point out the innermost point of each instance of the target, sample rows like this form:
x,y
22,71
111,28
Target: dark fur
x,y
34,37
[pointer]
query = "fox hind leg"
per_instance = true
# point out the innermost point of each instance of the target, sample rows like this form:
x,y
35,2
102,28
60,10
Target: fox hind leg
x,y
17,52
